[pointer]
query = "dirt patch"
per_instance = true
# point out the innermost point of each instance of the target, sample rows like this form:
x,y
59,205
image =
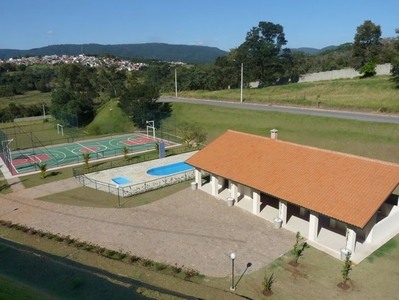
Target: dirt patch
x,y
343,286
293,263
268,293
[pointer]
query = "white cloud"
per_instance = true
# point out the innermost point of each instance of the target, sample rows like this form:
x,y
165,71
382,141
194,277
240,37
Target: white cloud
x,y
50,32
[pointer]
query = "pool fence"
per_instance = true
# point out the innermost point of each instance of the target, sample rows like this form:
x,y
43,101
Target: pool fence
x,y
134,189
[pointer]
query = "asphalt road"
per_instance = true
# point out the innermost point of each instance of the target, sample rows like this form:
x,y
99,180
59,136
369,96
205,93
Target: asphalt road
x,y
368,117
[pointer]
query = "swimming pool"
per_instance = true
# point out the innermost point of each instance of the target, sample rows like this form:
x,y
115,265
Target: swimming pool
x,y
170,169
121,180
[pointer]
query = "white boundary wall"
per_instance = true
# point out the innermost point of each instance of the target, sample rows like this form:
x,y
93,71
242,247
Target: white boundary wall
x,y
384,69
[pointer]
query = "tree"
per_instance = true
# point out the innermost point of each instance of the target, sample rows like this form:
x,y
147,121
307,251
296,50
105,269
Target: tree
x,y
158,73
228,70
368,69
347,267
388,50
395,60
140,103
301,64
367,44
193,135
112,81
75,93
263,55
299,246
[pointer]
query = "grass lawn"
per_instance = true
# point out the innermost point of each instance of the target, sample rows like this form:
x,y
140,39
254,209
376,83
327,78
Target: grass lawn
x,y
89,197
369,139
32,97
52,175
5,188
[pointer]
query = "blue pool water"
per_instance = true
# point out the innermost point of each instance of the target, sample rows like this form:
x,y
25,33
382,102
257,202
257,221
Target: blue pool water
x,y
170,169
121,180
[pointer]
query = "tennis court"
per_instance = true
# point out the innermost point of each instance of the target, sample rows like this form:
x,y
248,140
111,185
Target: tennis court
x,y
27,160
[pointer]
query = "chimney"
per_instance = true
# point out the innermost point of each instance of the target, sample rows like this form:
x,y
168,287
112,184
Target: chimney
x,y
274,134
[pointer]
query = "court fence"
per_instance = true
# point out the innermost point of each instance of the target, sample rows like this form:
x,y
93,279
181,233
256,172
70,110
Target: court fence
x,y
37,135
134,189
5,153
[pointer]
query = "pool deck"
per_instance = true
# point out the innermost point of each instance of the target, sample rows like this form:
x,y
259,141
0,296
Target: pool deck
x,y
137,173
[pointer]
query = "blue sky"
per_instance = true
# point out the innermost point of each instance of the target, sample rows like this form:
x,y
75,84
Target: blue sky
x,y
223,24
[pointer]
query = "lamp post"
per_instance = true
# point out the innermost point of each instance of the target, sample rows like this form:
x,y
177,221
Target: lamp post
x,y
242,82
232,256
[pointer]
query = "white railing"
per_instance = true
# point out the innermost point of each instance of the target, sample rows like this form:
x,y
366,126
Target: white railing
x,y
138,188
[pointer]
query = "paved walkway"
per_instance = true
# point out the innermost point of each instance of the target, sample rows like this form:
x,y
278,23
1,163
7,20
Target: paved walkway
x,y
190,228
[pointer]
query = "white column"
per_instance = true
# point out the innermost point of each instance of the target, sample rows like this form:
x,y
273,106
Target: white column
x,y
368,230
313,225
282,211
351,243
255,202
198,178
234,190
215,185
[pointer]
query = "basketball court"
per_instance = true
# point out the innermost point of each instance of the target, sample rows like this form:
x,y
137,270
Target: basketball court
x,y
26,160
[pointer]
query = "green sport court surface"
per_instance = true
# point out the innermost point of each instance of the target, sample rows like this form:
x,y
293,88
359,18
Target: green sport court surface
x,y
27,160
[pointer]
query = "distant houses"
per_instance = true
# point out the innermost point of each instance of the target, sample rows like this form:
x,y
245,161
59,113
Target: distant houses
x,y
90,61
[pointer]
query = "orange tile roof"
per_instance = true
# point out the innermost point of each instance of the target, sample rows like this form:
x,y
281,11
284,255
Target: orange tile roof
x,y
344,187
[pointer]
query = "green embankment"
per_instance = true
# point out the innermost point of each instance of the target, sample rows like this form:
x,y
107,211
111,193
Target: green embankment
x,y
378,94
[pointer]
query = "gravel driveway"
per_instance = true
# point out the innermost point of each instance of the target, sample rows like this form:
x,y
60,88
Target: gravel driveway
x,y
190,228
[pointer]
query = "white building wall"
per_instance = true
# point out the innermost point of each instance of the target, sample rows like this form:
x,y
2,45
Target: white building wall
x,y
387,228
383,69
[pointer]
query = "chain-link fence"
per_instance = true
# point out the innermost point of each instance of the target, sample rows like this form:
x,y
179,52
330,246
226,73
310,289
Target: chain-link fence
x,y
5,152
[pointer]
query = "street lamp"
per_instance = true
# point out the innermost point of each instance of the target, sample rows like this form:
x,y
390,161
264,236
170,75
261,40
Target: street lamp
x,y
232,256
242,82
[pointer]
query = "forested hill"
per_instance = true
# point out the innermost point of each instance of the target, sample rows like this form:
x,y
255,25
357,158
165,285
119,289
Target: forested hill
x,y
158,51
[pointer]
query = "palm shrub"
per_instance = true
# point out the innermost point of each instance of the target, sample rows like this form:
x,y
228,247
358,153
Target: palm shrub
x,y
43,168
267,283
86,158
125,151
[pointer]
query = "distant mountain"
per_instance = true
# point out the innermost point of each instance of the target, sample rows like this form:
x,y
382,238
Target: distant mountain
x,y
306,50
314,51
157,51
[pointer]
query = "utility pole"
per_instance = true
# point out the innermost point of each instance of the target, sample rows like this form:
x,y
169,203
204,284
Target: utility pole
x,y
176,82
242,81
